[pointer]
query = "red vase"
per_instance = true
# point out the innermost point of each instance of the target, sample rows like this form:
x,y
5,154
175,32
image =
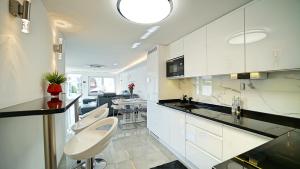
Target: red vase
x,y
54,103
54,89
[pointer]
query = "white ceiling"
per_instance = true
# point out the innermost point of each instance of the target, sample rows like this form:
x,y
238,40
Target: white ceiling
x,y
98,34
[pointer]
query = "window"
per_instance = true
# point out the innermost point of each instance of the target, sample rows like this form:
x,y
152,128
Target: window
x,y
100,85
74,86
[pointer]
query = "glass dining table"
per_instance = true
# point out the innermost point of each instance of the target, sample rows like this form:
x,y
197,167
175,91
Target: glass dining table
x,y
133,111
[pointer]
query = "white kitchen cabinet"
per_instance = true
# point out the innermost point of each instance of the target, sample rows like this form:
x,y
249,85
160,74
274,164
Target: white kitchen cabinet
x,y
169,125
206,141
237,141
164,124
223,57
153,76
279,20
177,131
153,118
158,86
205,124
199,158
158,121
195,63
176,49
205,134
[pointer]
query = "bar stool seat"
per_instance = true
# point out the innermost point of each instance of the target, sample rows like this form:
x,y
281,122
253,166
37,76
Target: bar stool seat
x,y
95,115
88,113
92,140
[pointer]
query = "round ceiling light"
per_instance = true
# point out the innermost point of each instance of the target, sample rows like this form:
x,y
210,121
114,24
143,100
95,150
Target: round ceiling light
x,y
145,11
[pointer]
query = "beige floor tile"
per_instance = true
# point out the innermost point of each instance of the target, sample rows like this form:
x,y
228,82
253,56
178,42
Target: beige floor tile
x,y
132,149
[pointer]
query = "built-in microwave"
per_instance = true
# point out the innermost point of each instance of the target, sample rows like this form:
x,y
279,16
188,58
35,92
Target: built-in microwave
x,y
175,67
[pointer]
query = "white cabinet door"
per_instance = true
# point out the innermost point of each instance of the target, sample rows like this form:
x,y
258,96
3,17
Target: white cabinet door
x,y
195,63
206,141
177,131
222,56
164,124
236,141
153,118
279,20
152,76
199,158
176,49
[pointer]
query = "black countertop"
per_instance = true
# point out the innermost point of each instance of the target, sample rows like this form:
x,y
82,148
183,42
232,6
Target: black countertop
x,y
222,115
281,153
42,106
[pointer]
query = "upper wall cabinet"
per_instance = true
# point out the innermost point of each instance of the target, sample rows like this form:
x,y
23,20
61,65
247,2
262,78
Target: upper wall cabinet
x,y
195,63
176,49
223,56
273,35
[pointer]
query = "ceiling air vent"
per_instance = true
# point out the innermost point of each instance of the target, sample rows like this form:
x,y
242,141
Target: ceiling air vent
x,y
97,66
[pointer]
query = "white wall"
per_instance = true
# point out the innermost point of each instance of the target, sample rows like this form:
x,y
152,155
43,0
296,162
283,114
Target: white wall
x,y
279,94
136,75
24,58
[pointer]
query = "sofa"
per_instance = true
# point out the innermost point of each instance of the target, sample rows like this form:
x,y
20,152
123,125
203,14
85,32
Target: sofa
x,y
103,99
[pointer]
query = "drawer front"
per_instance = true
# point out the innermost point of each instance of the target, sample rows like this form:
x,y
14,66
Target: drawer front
x,y
205,124
199,158
206,141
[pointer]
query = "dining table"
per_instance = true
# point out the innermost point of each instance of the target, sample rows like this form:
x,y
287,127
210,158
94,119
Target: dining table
x,y
130,107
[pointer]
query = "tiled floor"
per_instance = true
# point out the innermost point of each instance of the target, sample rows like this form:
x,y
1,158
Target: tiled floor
x,y
132,149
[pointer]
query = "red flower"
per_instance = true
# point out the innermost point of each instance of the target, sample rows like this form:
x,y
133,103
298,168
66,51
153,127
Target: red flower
x,y
131,86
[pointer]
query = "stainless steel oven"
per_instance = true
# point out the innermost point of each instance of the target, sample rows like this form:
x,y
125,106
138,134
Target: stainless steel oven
x,y
175,67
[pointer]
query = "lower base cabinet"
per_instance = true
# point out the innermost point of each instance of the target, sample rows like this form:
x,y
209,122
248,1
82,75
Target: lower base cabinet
x,y
169,125
201,142
199,158
237,141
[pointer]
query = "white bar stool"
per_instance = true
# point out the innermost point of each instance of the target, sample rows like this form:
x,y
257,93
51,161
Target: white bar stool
x,y
91,141
95,115
88,113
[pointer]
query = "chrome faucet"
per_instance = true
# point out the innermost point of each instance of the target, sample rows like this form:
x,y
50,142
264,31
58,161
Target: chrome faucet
x,y
236,107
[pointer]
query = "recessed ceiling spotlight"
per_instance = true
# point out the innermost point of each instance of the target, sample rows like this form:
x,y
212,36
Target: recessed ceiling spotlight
x,y
150,31
135,45
115,64
145,11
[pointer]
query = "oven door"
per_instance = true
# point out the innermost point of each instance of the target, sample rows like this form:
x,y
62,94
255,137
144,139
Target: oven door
x,y
175,67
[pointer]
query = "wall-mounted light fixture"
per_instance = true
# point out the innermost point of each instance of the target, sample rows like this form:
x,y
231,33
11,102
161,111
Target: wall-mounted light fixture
x,y
22,11
58,48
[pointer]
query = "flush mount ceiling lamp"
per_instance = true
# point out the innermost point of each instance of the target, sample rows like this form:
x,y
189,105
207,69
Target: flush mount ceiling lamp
x,y
58,48
22,11
145,11
251,36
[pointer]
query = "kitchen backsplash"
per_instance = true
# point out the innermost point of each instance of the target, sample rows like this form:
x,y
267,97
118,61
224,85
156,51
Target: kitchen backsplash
x,y
279,94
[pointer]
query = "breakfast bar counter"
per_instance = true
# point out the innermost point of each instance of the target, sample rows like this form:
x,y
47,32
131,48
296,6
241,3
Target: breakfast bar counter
x,y
47,107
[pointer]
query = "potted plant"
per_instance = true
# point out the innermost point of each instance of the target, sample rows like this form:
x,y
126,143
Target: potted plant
x,y
130,88
55,80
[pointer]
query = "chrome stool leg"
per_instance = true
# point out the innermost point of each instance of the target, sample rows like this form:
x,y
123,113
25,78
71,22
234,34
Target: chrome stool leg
x,y
90,163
